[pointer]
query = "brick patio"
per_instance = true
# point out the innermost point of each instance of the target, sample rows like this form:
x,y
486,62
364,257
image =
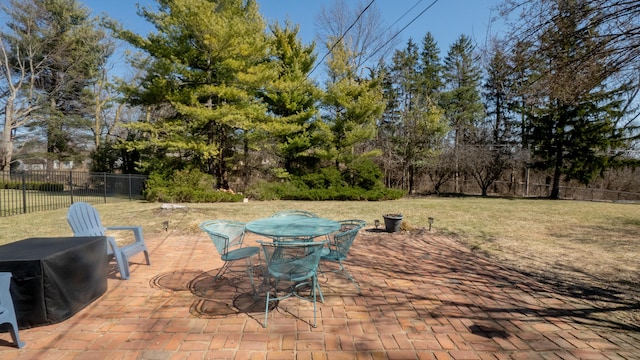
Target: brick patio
x,y
424,297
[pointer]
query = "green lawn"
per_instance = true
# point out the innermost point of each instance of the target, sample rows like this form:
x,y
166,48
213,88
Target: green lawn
x,y
589,242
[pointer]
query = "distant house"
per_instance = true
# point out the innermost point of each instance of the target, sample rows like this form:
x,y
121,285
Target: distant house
x,y
63,165
36,164
31,164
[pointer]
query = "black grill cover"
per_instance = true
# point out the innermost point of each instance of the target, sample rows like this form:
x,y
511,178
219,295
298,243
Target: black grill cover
x,y
54,278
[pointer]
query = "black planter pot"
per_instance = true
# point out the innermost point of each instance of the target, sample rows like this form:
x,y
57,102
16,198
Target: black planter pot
x,y
392,222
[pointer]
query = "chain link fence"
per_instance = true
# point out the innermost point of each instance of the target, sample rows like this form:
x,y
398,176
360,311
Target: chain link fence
x,y
30,191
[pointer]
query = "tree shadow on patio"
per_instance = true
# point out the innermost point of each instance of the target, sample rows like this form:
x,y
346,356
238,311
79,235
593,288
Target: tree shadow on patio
x,y
175,281
420,266
225,296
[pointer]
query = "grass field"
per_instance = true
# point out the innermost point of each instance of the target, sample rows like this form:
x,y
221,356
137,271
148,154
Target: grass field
x,y
576,246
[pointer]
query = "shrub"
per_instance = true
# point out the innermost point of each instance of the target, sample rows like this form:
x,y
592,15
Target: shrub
x,y
361,181
323,179
363,173
294,191
33,185
186,186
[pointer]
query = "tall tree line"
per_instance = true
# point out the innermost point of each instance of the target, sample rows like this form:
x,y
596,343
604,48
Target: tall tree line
x,y
575,79
223,92
51,53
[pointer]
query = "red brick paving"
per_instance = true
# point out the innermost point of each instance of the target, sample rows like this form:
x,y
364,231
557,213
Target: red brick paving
x,y
424,297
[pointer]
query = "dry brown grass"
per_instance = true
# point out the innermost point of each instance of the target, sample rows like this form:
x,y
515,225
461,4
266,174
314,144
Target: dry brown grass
x,y
586,249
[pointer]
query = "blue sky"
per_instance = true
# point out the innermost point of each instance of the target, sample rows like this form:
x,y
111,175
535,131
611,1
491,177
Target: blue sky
x,y
446,19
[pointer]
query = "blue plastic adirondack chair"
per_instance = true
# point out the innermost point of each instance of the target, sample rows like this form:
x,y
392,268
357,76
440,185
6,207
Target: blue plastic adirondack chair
x,y
85,221
7,311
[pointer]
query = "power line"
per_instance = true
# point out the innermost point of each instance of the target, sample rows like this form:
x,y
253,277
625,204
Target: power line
x,y
401,30
341,37
403,15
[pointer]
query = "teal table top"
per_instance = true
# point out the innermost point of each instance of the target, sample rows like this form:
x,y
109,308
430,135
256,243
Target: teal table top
x,y
293,226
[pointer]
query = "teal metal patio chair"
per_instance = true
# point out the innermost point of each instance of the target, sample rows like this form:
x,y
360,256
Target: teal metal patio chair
x,y
7,311
295,262
351,223
228,237
340,244
84,220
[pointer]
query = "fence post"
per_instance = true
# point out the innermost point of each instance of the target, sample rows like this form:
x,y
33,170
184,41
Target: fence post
x,y
24,193
104,186
526,182
71,186
130,196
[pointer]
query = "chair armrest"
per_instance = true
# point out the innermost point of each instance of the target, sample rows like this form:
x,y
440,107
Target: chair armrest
x,y
137,230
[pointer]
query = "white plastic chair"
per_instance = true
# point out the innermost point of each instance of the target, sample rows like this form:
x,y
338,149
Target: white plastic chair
x,y
7,311
84,220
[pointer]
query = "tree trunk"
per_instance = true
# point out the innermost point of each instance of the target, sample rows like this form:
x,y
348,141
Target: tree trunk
x,y
557,173
456,172
246,168
6,144
411,178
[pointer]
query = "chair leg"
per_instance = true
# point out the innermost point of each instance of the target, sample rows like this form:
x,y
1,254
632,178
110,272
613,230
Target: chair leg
x,y
222,270
146,255
250,271
15,336
266,310
121,259
319,289
315,285
348,275
124,267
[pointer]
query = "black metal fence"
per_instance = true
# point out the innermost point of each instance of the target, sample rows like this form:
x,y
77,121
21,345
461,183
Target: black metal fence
x,y
536,190
566,192
30,191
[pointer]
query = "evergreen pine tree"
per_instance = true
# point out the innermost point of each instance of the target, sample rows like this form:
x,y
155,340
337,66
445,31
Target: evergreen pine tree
x,y
461,99
205,65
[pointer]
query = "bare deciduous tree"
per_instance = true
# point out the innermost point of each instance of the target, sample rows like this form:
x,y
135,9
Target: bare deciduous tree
x,y
617,25
441,169
486,164
18,95
361,30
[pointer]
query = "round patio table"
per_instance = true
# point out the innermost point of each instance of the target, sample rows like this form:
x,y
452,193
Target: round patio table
x,y
293,227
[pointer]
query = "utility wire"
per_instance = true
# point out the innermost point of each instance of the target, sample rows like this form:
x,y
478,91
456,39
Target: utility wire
x,y
341,37
401,30
401,16
397,21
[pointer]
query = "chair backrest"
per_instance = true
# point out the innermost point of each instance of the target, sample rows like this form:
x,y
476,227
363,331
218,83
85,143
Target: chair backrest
x,y
342,240
7,310
5,284
294,213
84,220
225,234
6,302
292,259
351,224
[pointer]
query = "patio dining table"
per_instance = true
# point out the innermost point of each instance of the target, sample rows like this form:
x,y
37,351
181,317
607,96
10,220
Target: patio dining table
x,y
293,227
